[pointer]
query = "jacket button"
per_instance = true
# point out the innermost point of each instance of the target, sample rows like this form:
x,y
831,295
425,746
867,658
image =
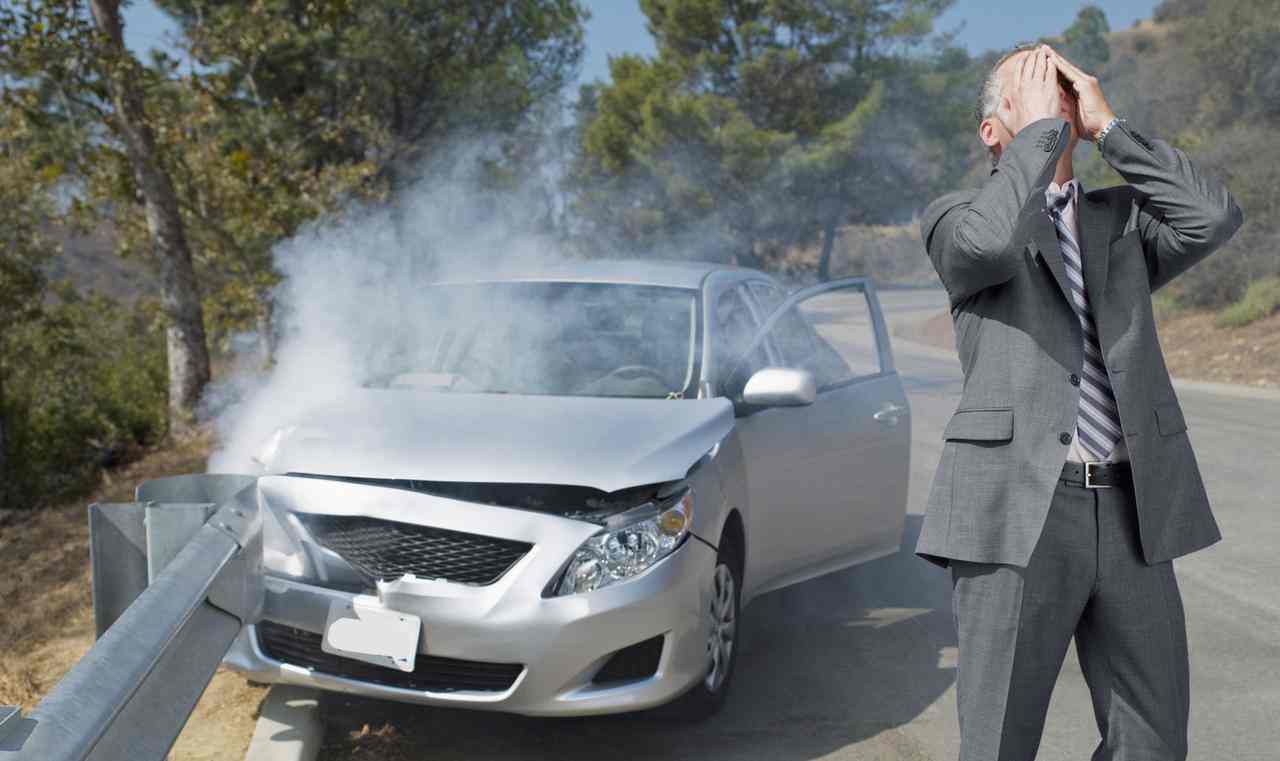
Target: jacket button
x,y
1064,437
1075,379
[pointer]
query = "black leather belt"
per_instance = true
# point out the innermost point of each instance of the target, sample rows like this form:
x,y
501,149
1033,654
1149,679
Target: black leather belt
x,y
1096,475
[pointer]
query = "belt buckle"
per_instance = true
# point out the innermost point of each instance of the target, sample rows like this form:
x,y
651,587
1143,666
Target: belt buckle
x,y
1088,472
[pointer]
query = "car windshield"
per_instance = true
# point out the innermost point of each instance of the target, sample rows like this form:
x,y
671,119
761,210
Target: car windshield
x,y
565,339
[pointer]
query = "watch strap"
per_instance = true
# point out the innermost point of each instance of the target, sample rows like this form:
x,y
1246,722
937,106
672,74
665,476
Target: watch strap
x,y
1102,133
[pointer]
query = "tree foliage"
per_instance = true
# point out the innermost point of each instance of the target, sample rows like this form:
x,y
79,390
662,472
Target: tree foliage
x,y
757,125
383,81
1226,113
1085,41
299,107
288,111
82,380
70,69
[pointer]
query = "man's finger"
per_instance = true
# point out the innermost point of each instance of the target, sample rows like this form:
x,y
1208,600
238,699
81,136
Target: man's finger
x,y
1066,67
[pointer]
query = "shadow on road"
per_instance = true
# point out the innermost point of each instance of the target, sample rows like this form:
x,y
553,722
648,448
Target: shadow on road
x,y
828,663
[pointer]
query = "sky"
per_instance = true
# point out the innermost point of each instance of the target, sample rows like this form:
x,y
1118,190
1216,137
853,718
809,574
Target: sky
x,y
618,26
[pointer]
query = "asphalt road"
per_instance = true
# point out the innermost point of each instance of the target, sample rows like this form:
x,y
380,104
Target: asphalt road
x,y
860,664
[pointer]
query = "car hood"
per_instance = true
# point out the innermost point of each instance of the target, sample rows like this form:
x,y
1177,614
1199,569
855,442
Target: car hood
x,y
603,443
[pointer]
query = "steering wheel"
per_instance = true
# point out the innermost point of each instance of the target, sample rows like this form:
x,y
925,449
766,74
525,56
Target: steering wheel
x,y
627,372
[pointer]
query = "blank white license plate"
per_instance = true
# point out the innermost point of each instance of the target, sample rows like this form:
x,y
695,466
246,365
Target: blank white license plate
x,y
372,634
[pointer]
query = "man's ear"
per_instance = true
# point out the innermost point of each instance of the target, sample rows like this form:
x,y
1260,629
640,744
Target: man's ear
x,y
987,132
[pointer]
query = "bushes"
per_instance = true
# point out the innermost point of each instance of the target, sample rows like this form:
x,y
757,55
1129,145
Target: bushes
x,y
81,387
1262,299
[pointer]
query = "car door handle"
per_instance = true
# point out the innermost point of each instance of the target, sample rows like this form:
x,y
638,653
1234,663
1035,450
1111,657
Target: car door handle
x,y
889,414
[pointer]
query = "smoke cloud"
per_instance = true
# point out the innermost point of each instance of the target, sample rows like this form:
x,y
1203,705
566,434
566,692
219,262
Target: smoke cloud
x,y
353,287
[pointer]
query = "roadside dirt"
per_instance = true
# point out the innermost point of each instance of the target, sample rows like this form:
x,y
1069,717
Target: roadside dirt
x,y
48,621
1194,349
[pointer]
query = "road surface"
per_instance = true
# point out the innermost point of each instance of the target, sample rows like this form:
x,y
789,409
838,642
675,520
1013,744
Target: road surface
x,y
861,664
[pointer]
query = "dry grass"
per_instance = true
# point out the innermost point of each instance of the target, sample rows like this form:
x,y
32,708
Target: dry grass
x,y
1194,348
48,621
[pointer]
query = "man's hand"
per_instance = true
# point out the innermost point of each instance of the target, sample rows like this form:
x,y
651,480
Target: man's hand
x,y
1032,92
1094,112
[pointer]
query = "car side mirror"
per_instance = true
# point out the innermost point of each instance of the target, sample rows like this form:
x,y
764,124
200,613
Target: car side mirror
x,y
780,387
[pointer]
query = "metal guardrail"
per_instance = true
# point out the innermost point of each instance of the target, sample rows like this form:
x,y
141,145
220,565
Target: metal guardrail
x,y
175,577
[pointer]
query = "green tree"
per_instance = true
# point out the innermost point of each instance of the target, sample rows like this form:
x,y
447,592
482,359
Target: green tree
x,y
70,69
82,380
386,80
1085,41
24,203
299,107
759,124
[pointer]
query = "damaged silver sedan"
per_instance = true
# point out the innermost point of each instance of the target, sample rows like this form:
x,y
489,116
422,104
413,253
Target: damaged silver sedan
x,y
558,494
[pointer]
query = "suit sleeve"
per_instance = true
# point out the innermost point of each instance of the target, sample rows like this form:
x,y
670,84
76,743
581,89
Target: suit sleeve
x,y
975,239
1183,215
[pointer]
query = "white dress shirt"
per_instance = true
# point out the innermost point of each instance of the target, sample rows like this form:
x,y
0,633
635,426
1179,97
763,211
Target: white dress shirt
x,y
1119,453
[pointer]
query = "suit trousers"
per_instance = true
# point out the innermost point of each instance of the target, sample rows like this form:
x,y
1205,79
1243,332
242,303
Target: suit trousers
x,y
1086,578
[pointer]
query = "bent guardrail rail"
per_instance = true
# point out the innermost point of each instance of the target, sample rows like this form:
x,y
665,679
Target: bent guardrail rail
x,y
175,577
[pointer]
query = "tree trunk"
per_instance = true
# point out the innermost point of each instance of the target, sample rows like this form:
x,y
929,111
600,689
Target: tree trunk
x,y
180,296
828,243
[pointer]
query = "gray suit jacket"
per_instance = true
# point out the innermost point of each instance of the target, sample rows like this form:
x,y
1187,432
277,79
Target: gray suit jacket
x,y
997,253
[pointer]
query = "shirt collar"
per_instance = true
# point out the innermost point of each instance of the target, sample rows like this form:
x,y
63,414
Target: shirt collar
x,y
1054,187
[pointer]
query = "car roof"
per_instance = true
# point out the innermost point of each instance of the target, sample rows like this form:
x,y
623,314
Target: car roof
x,y
673,273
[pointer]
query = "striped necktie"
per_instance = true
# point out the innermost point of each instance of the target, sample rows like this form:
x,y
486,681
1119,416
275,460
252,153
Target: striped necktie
x,y
1098,419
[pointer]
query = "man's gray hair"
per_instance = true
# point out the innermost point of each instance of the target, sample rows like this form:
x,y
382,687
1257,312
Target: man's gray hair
x,y
989,95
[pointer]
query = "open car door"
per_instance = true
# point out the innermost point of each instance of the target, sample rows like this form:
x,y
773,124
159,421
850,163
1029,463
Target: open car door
x,y
827,482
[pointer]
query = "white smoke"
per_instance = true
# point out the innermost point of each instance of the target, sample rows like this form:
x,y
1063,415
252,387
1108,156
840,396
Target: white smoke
x,y
351,283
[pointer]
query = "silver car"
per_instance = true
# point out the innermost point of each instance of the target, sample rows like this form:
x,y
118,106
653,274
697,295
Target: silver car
x,y
558,493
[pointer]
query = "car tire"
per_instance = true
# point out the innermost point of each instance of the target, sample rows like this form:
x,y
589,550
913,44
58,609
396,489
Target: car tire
x,y
708,695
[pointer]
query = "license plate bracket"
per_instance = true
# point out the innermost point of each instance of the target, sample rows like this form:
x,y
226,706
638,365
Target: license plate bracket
x,y
366,631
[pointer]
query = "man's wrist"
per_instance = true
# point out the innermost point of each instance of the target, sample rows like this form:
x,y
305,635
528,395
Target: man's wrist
x,y
1102,133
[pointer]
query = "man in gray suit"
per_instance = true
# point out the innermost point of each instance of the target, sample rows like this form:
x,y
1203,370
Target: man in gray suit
x,y
1067,482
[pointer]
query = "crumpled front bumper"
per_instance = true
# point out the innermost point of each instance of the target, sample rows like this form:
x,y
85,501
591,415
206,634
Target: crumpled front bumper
x,y
560,642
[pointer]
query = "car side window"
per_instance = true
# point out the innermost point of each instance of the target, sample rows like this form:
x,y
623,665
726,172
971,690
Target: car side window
x,y
768,296
831,335
735,328
792,338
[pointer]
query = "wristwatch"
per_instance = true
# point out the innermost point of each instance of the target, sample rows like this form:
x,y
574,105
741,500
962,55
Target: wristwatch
x,y
1102,133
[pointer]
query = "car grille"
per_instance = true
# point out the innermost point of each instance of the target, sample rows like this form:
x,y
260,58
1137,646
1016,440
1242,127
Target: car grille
x,y
430,673
382,549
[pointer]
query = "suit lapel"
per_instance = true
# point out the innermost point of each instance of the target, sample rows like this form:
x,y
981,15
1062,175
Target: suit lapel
x,y
1091,228
1045,237
1092,219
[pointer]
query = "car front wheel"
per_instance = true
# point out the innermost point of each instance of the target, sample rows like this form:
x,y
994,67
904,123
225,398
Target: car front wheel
x,y
707,696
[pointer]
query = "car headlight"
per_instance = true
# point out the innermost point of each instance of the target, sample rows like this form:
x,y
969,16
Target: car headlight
x,y
628,545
